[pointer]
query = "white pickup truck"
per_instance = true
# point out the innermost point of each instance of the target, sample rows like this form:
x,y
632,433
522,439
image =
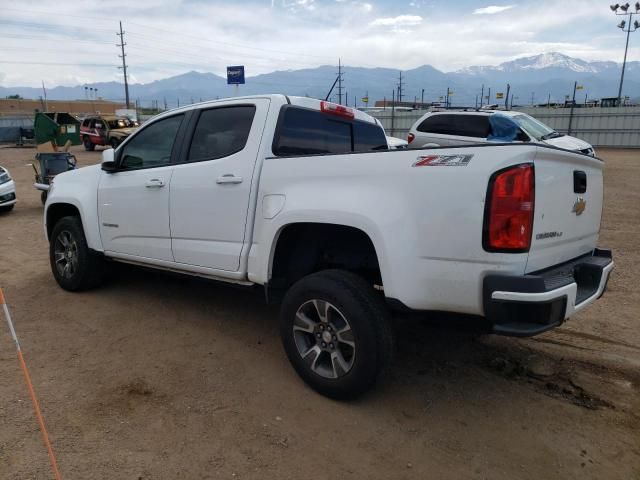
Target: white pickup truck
x,y
304,199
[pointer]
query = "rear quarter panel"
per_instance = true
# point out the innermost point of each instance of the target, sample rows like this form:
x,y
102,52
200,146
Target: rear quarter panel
x,y
425,222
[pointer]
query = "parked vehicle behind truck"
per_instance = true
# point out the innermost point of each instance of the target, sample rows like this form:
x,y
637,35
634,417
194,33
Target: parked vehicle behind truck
x,y
464,127
303,199
105,130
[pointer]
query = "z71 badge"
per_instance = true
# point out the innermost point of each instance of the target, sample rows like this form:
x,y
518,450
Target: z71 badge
x,y
443,160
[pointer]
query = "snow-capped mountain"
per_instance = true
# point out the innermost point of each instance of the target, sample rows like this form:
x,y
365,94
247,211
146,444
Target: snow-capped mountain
x,y
553,60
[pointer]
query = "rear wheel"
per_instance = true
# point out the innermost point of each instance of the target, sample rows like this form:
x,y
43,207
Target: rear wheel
x,y
43,197
88,146
74,266
7,208
114,143
336,332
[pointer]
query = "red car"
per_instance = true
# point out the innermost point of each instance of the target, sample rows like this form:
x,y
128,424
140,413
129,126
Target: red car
x,y
108,130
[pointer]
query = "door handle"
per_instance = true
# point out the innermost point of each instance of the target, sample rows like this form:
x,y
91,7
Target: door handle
x,y
228,178
154,183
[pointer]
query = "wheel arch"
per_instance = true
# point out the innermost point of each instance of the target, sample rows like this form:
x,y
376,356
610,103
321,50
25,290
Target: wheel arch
x,y
301,248
56,211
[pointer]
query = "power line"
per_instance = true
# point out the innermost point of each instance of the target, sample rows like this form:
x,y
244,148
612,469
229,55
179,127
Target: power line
x,y
124,64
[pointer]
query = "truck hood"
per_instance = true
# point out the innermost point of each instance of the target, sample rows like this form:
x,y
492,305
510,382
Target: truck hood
x,y
77,176
122,132
567,142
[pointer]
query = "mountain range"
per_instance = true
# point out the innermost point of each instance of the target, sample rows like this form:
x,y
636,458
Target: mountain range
x,y
531,78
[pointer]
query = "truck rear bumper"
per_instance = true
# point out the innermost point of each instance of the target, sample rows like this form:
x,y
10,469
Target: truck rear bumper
x,y
534,303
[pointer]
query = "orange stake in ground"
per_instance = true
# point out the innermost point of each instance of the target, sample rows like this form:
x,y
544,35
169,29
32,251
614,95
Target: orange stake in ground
x,y
32,393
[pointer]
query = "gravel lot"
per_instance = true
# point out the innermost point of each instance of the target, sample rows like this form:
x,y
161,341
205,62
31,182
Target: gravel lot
x,y
156,376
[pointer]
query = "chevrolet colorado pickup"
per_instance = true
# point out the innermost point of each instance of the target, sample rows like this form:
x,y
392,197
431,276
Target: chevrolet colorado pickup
x,y
303,198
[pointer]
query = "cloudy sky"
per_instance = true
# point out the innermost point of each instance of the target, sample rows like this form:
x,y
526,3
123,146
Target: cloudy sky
x,y
69,43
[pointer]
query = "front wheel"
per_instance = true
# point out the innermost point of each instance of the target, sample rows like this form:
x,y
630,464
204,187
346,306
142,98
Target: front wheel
x,y
74,266
88,146
336,332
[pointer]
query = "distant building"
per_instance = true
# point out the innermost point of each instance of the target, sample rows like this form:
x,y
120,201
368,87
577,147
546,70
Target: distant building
x,y
24,107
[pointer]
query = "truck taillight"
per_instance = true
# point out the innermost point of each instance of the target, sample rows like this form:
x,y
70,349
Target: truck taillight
x,y
410,138
335,109
508,218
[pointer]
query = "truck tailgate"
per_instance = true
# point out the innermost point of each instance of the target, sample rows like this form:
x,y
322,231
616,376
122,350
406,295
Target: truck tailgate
x,y
568,207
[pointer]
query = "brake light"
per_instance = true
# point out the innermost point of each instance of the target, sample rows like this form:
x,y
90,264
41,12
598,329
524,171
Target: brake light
x,y
334,109
411,137
508,220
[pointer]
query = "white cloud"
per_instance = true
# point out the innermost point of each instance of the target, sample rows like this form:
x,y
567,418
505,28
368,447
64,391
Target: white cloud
x,y
399,21
491,9
170,37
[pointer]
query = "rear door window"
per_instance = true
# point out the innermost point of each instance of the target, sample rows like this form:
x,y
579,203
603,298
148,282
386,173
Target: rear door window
x,y
473,125
303,131
221,132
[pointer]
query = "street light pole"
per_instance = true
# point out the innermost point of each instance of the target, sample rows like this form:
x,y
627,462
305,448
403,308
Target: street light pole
x,y
636,25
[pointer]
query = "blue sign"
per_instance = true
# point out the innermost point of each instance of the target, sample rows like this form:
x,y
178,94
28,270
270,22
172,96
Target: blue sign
x,y
235,75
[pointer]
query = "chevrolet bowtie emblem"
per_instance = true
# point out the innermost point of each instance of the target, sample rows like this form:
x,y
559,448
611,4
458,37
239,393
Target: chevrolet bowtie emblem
x,y
579,206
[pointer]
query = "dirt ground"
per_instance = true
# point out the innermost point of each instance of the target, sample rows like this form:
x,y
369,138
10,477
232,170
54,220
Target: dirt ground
x,y
155,376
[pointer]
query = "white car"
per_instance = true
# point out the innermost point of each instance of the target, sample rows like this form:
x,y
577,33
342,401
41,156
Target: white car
x,y
396,143
303,200
450,128
7,191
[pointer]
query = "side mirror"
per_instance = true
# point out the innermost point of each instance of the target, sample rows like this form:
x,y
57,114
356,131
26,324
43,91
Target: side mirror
x,y
109,164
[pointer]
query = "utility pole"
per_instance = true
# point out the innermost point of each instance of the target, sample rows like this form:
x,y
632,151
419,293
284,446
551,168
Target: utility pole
x,y
506,100
339,82
549,101
400,87
393,110
533,96
489,96
44,91
422,99
124,64
482,96
575,87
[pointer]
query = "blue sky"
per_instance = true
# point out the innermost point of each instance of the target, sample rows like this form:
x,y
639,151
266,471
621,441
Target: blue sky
x,y
74,42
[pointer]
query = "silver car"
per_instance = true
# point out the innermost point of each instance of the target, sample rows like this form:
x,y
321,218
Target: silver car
x,y
451,128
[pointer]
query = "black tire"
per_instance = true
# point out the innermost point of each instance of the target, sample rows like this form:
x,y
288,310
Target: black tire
x,y
353,300
114,143
88,146
7,208
43,197
87,268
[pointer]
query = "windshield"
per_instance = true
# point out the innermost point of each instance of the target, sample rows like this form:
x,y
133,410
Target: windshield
x,y
534,128
120,123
